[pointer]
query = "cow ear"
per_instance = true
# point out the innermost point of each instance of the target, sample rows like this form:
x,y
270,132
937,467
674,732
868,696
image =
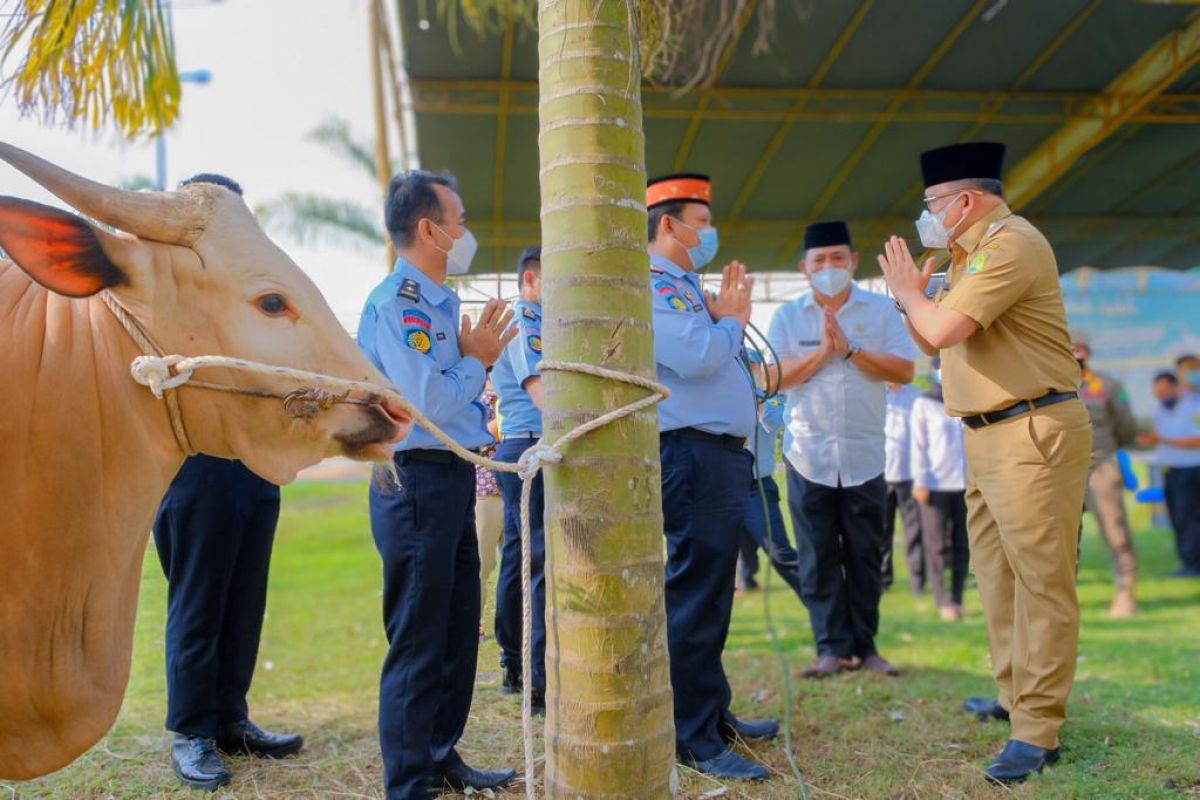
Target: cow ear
x,y
58,249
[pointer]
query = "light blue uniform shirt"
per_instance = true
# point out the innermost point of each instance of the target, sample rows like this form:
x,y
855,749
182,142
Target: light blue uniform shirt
x,y
517,364
1180,422
409,330
697,359
770,423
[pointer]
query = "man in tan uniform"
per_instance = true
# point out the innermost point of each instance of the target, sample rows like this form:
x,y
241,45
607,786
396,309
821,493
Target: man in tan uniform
x,y
1113,427
1009,372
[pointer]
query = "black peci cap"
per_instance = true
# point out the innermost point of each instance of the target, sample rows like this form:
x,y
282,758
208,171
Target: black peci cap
x,y
827,234
958,162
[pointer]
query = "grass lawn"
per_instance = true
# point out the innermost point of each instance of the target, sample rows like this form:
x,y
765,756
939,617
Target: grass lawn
x,y
1134,730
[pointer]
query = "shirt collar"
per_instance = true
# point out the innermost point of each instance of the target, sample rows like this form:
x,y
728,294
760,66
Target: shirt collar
x,y
523,303
432,292
972,236
668,266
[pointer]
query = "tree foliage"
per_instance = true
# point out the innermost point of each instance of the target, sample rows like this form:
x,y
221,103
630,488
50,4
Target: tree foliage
x,y
91,62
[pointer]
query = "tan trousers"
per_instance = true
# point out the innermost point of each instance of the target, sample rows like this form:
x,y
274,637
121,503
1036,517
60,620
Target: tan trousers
x,y
1026,479
1106,499
489,529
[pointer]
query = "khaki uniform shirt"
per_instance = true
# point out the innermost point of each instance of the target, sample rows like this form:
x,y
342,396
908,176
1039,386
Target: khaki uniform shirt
x,y
1003,275
1113,425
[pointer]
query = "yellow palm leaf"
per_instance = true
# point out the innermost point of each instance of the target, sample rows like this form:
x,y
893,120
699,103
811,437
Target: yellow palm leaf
x,y
94,62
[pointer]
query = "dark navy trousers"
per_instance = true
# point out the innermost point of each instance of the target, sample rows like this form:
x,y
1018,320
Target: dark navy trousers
x,y
1182,485
213,532
839,537
704,499
775,540
425,533
508,585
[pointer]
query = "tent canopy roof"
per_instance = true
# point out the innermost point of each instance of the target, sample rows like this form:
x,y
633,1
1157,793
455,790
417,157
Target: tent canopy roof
x,y
828,124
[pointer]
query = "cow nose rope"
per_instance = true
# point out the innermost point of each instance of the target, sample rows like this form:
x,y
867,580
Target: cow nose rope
x,y
165,374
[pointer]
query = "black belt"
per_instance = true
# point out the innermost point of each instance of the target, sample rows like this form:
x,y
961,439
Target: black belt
x,y
728,441
432,456
1023,407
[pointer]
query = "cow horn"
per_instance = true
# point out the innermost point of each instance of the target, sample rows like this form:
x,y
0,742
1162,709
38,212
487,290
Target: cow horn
x,y
170,217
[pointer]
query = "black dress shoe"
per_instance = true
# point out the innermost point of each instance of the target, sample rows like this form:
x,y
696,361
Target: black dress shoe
x,y
197,764
985,708
511,682
246,738
1019,760
751,729
458,777
732,766
537,698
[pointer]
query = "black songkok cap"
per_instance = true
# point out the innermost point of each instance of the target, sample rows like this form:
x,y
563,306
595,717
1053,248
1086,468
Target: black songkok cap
x,y
827,234
958,162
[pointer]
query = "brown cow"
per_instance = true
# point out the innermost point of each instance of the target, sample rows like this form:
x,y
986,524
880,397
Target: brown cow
x,y
86,453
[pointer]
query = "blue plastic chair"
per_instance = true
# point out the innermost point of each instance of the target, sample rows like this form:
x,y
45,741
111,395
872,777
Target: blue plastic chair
x,y
1152,495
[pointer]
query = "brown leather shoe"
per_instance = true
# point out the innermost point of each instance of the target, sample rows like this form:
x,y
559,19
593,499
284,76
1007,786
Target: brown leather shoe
x,y
877,663
823,667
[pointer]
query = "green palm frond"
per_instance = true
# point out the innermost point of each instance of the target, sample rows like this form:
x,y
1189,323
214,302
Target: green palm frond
x,y
311,219
334,135
92,61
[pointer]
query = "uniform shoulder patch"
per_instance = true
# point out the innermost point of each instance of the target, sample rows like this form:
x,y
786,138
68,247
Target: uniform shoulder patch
x,y
409,290
534,340
977,263
670,295
418,340
529,313
417,329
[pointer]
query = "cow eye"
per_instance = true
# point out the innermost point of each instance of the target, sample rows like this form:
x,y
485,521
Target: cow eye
x,y
273,305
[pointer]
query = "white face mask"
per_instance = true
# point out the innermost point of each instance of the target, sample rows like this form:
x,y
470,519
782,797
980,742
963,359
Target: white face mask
x,y
932,228
461,252
831,280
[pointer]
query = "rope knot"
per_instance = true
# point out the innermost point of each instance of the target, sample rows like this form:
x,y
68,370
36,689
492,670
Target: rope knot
x,y
158,373
535,458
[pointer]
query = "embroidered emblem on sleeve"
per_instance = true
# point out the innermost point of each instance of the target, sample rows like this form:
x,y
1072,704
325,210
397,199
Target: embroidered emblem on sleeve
x,y
417,327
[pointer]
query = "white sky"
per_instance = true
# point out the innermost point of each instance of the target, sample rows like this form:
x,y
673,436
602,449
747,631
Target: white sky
x,y
279,68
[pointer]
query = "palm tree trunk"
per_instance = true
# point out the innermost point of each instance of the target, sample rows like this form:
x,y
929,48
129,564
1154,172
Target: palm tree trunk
x,y
609,723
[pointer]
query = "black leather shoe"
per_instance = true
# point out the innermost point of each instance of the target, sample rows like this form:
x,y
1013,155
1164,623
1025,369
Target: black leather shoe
x,y
732,766
511,682
457,776
196,763
246,738
1018,761
537,699
753,728
985,708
